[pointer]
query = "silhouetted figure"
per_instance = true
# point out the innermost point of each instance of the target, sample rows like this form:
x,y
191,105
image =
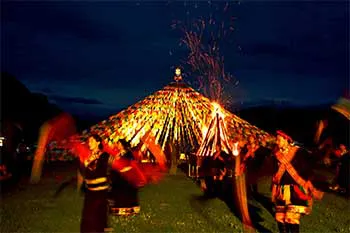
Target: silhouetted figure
x,y
192,162
214,168
341,180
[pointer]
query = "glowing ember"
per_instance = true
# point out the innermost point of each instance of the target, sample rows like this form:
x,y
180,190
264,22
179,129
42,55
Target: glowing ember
x,y
204,37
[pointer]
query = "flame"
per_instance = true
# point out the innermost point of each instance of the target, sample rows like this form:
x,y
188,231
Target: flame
x,y
235,151
217,109
204,131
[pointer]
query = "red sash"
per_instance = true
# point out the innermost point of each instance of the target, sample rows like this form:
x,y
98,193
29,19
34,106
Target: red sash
x,y
286,166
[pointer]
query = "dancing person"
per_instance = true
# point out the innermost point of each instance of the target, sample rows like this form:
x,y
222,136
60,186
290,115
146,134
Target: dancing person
x,y
95,163
95,167
292,190
94,214
341,179
192,165
214,172
123,197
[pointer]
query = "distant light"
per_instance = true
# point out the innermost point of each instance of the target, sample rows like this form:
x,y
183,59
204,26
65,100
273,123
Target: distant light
x,y
178,76
177,71
182,156
1,141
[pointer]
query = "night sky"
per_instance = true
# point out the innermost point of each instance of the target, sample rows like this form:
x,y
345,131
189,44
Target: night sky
x,y
96,58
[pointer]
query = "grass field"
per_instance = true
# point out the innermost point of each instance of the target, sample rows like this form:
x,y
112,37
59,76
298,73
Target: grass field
x,y
174,205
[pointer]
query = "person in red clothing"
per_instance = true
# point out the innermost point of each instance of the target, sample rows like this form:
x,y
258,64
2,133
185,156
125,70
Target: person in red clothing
x,y
292,190
123,197
94,168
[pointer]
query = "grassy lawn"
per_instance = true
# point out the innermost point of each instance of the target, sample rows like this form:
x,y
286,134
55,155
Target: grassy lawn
x,y
174,205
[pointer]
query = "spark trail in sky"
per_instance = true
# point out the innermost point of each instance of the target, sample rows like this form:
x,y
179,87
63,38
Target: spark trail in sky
x,y
205,38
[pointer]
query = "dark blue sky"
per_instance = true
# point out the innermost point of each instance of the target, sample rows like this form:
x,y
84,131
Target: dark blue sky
x,y
92,57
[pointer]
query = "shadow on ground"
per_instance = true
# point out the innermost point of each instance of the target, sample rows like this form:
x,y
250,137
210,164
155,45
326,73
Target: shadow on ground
x,y
254,212
227,196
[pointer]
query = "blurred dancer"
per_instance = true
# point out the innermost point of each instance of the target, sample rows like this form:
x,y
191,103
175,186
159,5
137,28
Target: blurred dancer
x,y
94,163
94,215
123,197
214,171
292,190
341,179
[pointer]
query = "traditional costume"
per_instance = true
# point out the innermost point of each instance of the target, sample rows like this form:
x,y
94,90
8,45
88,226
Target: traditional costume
x,y
94,215
94,167
292,190
95,171
123,197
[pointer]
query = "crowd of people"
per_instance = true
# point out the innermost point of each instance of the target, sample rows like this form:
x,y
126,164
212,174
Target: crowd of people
x,y
112,183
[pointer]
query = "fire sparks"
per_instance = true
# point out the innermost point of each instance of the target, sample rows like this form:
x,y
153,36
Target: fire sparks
x,y
204,37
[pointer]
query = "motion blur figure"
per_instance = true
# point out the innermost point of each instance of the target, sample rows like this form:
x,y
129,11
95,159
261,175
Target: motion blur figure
x,y
94,168
94,163
214,171
341,180
123,197
292,190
